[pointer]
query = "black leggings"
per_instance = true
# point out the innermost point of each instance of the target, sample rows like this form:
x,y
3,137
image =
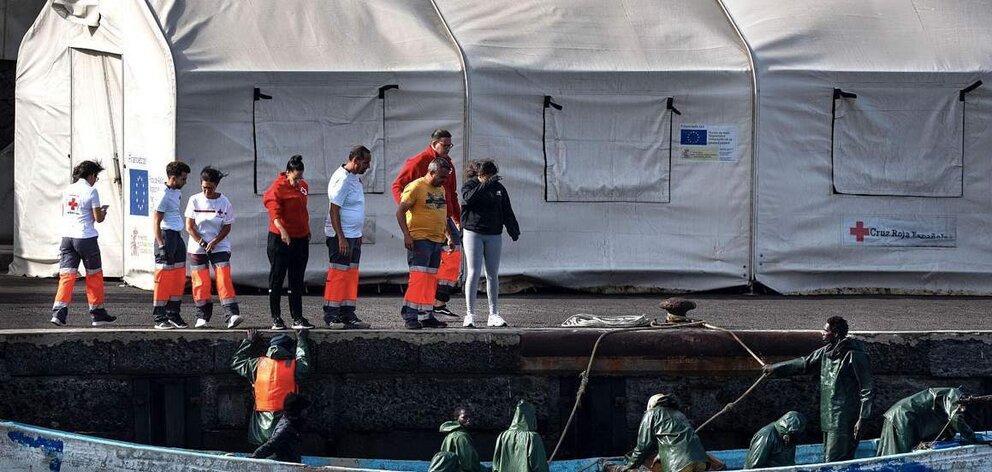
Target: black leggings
x,y
284,258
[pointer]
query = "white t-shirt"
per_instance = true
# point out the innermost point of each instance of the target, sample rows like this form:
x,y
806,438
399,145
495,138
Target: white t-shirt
x,y
346,191
78,202
169,205
209,216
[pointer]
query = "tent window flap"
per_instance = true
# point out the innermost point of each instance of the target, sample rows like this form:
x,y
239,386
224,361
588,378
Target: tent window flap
x,y
898,141
607,148
322,124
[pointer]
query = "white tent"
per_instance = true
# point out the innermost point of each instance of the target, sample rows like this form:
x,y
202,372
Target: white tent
x,y
614,189
883,184
624,130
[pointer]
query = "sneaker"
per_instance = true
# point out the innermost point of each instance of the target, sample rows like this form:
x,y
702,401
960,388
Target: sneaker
x,y
177,321
469,321
58,317
102,318
334,323
352,322
302,323
433,323
496,321
413,324
278,324
234,321
200,322
444,311
164,325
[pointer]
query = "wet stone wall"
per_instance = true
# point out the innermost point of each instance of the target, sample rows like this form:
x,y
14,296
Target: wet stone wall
x,y
383,394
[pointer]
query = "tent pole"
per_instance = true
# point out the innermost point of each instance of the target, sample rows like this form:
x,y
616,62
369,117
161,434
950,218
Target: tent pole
x,y
753,194
466,123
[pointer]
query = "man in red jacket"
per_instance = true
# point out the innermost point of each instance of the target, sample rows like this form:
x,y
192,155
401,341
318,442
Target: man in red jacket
x,y
451,258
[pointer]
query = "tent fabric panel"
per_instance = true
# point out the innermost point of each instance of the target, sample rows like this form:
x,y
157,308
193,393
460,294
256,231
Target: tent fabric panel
x,y
341,35
898,142
590,35
603,148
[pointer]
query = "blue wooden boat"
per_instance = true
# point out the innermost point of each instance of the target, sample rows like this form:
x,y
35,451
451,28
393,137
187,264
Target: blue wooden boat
x,y
25,448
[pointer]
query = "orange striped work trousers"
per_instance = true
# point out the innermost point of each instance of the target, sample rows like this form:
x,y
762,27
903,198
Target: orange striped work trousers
x,y
341,287
170,276
199,271
71,252
424,259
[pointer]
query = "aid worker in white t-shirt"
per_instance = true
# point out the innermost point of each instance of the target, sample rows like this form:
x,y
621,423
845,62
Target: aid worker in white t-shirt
x,y
81,208
170,250
343,228
209,216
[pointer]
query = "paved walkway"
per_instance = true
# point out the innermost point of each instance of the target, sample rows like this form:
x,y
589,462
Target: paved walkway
x,y
26,303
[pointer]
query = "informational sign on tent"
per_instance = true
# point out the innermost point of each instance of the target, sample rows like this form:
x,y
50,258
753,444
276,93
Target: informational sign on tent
x,y
901,231
708,142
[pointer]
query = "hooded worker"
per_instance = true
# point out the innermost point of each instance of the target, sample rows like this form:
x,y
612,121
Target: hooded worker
x,y
520,448
667,432
458,442
287,436
845,387
922,417
775,444
273,376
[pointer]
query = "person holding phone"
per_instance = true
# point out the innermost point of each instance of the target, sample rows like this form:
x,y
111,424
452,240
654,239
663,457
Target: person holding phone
x,y
81,209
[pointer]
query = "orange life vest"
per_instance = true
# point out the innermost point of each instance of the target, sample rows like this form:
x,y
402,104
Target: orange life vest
x,y
274,379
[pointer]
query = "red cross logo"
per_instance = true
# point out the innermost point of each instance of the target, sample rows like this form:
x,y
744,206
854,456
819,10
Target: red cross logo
x,y
73,204
859,231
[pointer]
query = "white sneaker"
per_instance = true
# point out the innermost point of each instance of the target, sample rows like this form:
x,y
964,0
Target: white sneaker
x,y
469,321
496,321
234,321
200,322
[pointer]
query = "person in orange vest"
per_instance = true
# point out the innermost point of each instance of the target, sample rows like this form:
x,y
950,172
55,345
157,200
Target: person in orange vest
x,y
451,257
421,217
273,376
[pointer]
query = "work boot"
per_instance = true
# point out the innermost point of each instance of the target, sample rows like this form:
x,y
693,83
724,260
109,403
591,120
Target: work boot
x,y
412,324
432,322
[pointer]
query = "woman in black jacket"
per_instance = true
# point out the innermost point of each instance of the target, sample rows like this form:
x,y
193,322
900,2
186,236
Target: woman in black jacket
x,y
486,210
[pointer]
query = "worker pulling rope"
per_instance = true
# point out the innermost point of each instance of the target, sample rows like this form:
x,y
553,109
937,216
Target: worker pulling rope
x,y
675,319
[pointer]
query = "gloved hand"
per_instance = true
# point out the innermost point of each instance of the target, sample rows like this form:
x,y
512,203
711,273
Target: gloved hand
x,y
252,335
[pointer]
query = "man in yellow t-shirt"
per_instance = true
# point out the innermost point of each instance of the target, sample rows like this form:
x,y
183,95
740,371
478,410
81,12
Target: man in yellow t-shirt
x,y
422,216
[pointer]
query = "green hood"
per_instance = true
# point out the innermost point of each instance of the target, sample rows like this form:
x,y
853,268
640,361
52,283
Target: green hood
x,y
279,352
449,426
524,419
845,345
791,423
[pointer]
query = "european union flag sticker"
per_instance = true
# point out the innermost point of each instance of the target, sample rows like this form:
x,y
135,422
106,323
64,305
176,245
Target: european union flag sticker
x,y
139,192
693,137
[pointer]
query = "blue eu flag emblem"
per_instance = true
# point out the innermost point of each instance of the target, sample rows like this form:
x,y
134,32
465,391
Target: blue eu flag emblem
x,y
139,192
693,137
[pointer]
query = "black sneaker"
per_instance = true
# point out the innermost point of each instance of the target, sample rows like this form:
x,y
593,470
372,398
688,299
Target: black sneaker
x,y
177,321
302,323
278,324
433,323
101,318
352,322
59,316
444,311
164,325
413,324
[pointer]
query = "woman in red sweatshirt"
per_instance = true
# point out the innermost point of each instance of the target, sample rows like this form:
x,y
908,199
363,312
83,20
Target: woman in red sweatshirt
x,y
289,241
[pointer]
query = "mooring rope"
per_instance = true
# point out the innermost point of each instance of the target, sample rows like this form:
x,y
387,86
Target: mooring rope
x,y
584,376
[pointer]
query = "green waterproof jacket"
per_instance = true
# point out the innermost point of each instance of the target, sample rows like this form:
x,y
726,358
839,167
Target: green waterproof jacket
x,y
921,417
263,422
669,433
520,448
444,461
846,390
458,442
768,449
